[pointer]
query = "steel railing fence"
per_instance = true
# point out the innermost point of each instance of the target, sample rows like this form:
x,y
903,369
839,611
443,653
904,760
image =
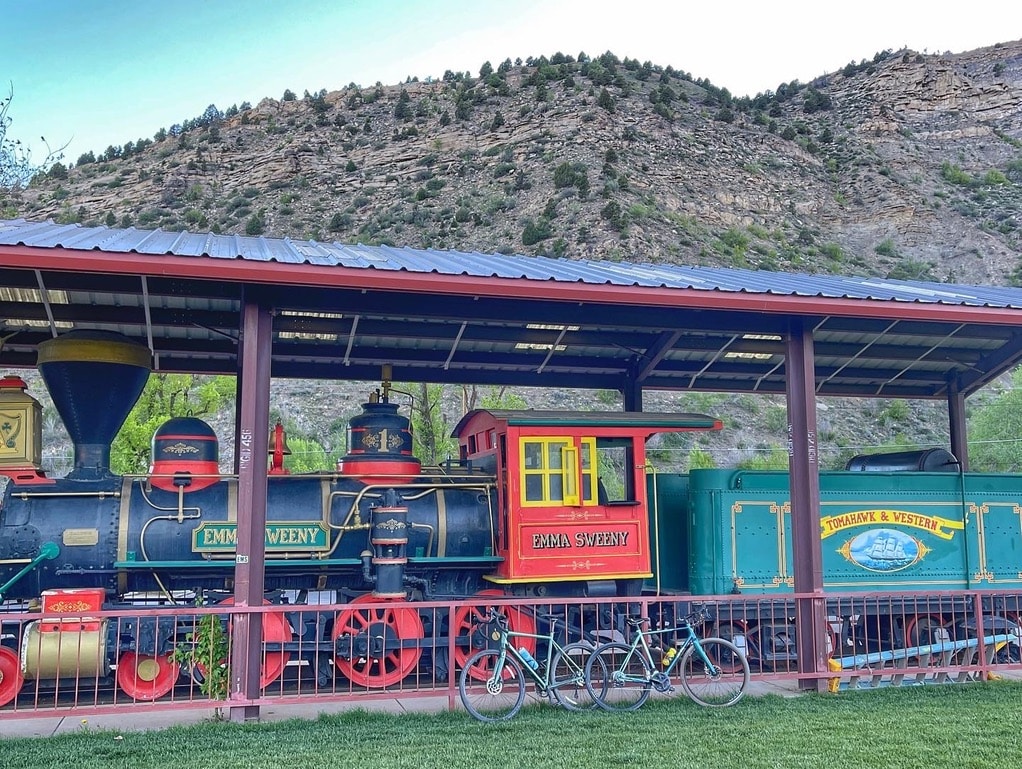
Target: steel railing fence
x,y
166,658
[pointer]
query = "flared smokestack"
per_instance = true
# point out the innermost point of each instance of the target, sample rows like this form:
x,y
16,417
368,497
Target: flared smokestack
x,y
94,378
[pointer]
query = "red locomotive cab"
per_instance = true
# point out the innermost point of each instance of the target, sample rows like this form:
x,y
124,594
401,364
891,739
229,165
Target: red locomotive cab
x,y
185,455
572,492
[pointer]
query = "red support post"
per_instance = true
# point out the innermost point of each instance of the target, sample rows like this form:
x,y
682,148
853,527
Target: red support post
x,y
803,460
253,433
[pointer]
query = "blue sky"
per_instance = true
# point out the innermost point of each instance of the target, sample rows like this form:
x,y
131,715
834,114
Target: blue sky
x,y
102,72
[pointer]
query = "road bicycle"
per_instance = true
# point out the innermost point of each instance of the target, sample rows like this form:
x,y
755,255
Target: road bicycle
x,y
493,681
712,671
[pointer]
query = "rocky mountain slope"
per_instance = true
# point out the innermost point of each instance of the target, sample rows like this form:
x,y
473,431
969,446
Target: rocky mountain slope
x,y
906,164
902,165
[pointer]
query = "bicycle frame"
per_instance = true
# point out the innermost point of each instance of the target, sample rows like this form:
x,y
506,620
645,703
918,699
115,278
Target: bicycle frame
x,y
543,681
712,671
641,641
691,640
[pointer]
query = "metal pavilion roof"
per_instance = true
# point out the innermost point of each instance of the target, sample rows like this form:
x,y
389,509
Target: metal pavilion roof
x,y
343,311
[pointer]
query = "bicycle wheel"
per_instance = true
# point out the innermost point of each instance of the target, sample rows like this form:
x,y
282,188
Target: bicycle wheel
x,y
618,678
568,677
487,695
721,685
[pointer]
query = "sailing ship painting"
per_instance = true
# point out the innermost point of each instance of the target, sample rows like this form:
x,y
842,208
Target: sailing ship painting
x,y
884,550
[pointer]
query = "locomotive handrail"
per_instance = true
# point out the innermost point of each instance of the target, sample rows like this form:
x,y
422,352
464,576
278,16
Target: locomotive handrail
x,y
23,495
373,490
425,559
149,565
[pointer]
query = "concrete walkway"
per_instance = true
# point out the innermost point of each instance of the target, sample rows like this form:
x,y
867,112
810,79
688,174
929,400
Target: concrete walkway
x,y
12,725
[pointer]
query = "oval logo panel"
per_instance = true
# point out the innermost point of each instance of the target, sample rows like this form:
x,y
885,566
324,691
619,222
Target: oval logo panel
x,y
884,550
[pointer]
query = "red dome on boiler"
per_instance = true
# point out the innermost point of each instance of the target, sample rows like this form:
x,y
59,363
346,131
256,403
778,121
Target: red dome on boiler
x,y
185,452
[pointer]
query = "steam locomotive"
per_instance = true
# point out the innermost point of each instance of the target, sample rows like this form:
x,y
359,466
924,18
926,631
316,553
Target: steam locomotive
x,y
540,504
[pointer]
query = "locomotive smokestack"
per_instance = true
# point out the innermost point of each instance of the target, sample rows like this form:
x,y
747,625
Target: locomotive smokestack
x,y
94,378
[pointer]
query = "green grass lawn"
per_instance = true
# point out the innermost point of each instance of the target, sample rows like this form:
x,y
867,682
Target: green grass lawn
x,y
973,725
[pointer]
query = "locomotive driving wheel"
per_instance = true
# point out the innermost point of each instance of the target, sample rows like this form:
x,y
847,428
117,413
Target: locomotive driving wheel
x,y
276,630
146,676
11,678
469,628
371,642
925,630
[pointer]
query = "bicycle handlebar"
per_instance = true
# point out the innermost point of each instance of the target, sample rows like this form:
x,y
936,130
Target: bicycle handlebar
x,y
698,617
496,615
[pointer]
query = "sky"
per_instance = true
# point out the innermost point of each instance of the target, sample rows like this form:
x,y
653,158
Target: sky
x,y
93,73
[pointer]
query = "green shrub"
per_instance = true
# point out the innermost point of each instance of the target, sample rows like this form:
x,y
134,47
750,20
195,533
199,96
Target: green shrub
x,y
339,222
536,231
913,269
955,175
256,225
993,178
885,248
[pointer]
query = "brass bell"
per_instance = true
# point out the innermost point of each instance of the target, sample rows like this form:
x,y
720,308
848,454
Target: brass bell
x,y
278,440
278,449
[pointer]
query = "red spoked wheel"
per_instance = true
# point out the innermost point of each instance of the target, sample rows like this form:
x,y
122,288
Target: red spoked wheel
x,y
370,642
729,631
146,677
275,630
468,626
11,678
925,630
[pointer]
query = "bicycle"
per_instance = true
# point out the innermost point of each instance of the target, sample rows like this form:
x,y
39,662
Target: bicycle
x,y
493,680
713,671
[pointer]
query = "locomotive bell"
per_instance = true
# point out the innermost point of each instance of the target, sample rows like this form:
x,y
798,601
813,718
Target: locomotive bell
x,y
278,449
272,443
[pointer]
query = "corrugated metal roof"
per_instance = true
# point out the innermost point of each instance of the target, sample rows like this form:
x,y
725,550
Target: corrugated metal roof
x,y
20,232
561,323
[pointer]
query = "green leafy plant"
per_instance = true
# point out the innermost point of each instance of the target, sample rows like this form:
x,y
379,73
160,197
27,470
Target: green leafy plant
x,y
206,651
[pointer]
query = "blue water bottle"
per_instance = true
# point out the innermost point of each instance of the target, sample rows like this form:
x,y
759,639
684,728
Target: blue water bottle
x,y
529,659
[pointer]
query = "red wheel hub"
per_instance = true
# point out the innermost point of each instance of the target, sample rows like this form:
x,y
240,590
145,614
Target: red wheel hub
x,y
146,677
370,642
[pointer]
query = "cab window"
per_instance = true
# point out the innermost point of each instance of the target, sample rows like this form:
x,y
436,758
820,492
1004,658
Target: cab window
x,y
614,461
551,468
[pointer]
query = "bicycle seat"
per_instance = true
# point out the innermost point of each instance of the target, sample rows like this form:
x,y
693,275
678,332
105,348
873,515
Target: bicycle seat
x,y
636,621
